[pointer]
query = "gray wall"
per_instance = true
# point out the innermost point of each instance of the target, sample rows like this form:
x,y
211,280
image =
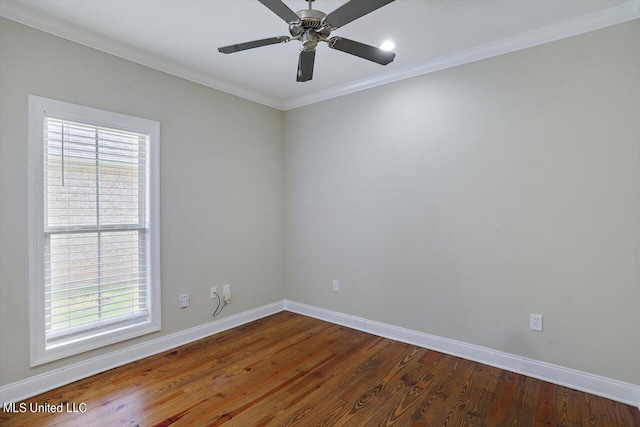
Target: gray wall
x,y
221,183
459,202
454,203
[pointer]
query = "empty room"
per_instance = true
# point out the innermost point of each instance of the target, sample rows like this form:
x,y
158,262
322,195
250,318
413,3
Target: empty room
x,y
328,212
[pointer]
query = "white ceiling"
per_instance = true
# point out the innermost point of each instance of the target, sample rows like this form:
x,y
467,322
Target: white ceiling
x,y
181,37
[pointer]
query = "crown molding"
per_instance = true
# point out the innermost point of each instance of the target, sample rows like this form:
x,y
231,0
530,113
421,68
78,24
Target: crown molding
x,y
625,12
584,24
43,22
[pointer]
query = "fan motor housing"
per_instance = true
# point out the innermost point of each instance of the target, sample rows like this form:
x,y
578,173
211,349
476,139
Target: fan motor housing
x,y
310,19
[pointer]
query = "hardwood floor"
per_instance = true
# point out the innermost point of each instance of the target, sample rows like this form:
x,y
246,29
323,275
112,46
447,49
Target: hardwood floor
x,y
288,370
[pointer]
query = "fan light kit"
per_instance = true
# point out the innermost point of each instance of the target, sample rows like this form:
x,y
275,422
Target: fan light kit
x,y
311,26
388,45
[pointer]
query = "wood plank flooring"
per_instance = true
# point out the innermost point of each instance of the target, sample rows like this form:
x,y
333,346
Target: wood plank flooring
x,y
292,370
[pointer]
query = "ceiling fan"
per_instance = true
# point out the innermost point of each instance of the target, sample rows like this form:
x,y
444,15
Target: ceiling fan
x,y
311,26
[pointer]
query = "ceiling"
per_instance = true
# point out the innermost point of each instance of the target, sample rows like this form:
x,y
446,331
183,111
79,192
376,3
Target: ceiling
x,y
181,37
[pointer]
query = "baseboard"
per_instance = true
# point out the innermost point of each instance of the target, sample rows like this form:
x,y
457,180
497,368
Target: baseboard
x,y
601,386
44,382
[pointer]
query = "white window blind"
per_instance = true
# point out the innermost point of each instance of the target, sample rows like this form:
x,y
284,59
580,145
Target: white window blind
x,y
94,225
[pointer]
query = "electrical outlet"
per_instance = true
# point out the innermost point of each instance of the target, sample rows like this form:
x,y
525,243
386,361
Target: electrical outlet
x,y
536,322
214,292
336,286
226,293
184,300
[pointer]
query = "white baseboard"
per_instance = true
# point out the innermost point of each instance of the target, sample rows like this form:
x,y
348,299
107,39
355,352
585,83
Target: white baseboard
x,y
601,386
58,377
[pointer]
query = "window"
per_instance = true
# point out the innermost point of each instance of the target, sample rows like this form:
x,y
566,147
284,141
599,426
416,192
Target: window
x,y
94,243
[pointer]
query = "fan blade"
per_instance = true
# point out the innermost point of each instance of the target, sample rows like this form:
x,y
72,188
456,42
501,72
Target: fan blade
x,y
250,45
353,10
281,9
362,50
305,65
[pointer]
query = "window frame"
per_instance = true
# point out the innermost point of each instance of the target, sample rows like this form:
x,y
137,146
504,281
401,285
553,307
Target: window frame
x,y
38,107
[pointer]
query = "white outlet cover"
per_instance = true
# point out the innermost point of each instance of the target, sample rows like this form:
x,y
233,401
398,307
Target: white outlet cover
x,y
336,286
536,322
226,293
214,291
184,300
